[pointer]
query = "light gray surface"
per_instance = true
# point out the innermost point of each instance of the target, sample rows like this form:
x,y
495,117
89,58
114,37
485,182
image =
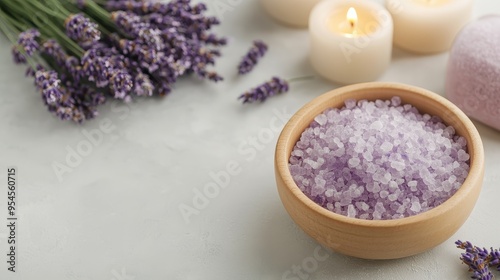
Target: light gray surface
x,y
116,215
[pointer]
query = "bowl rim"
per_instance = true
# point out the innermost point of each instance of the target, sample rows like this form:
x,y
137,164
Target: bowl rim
x,y
475,171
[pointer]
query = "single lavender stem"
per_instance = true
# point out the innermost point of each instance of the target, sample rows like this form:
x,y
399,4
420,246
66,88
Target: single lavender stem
x,y
253,56
82,30
270,88
58,5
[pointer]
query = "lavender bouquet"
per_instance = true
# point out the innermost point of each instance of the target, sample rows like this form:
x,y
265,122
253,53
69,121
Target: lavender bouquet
x,y
82,52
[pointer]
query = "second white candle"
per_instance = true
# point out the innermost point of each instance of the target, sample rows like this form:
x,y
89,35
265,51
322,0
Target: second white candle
x,y
291,12
428,26
350,51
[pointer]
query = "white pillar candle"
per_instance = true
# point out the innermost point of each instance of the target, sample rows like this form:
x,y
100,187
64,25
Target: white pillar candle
x,y
351,40
291,12
428,26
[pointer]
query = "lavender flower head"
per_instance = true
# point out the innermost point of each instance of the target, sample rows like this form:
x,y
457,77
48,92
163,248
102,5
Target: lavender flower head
x,y
479,259
263,91
106,67
84,102
212,39
52,48
31,72
134,26
18,57
147,7
126,21
66,99
251,59
143,85
495,258
482,274
96,68
27,43
121,84
82,30
151,37
70,63
49,85
27,40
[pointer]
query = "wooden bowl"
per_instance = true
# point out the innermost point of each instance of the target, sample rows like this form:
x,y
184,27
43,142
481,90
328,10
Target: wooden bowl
x,y
380,239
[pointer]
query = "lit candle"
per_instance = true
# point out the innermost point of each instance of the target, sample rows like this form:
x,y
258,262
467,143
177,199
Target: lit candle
x,y
291,12
428,26
351,40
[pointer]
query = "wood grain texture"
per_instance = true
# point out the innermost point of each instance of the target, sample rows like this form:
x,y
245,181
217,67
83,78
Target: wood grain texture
x,y
388,239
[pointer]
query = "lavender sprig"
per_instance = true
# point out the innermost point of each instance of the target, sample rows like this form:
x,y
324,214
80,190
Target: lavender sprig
x,y
135,27
17,56
26,42
262,92
253,56
479,260
49,85
82,30
495,258
71,64
58,98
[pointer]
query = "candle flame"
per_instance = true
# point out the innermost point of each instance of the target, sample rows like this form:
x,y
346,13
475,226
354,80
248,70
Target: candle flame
x,y
352,17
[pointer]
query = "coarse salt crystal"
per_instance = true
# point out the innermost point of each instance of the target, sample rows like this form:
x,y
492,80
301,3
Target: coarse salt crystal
x,y
354,162
329,193
351,211
399,166
386,147
377,125
384,194
393,197
463,156
415,207
413,186
321,119
350,103
393,186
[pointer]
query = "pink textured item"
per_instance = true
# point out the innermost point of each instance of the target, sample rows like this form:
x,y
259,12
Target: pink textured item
x,y
473,78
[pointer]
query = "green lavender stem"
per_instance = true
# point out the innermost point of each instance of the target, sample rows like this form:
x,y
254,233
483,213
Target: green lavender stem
x,y
299,79
46,10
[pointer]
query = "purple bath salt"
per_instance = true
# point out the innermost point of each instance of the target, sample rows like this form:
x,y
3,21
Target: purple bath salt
x,y
379,160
